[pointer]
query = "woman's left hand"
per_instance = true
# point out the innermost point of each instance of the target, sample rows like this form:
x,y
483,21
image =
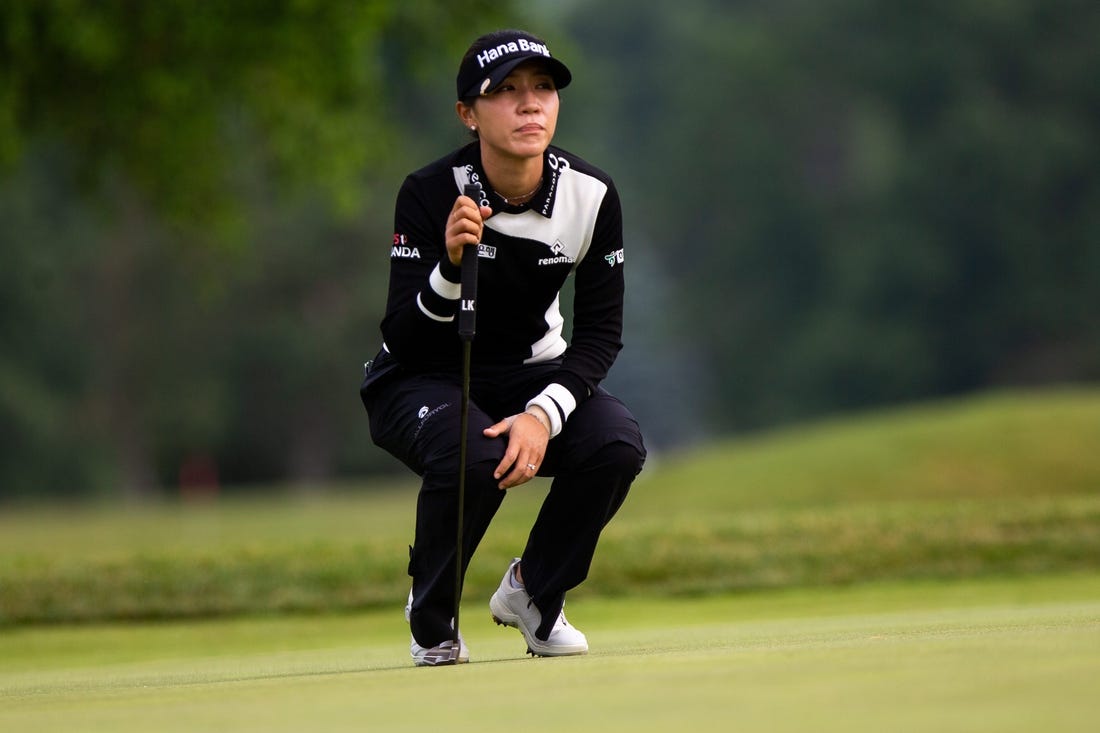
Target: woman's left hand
x,y
527,440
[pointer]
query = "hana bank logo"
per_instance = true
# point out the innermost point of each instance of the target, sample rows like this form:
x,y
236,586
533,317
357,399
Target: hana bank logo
x,y
490,55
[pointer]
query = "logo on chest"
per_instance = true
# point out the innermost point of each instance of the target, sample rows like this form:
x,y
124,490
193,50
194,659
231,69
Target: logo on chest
x,y
559,258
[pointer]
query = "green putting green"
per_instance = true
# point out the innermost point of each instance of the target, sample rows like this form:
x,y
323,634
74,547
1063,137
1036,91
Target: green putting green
x,y
985,655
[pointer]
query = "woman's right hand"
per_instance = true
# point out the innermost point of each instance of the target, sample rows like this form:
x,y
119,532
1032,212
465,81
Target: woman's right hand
x,y
464,226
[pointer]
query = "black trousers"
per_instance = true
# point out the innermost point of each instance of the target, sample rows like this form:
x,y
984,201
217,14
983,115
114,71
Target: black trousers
x,y
594,460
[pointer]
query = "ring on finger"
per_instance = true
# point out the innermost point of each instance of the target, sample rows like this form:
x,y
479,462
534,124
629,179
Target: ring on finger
x,y
532,467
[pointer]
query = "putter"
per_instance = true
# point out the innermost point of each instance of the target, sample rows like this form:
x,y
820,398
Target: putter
x,y
467,326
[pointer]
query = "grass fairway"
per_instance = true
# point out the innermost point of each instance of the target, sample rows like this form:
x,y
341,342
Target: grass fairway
x,y
979,655
995,485
935,568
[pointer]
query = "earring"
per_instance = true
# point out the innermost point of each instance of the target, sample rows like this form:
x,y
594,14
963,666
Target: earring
x,y
473,127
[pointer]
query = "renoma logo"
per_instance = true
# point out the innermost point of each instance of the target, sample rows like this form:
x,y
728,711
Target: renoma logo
x,y
558,258
401,249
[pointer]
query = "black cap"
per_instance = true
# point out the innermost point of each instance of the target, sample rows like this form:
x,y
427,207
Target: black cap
x,y
492,57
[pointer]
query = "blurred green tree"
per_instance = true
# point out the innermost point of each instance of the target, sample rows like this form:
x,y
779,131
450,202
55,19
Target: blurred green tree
x,y
831,205
862,202
199,135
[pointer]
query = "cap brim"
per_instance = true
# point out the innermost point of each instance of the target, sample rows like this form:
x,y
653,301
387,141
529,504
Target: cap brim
x,y
559,71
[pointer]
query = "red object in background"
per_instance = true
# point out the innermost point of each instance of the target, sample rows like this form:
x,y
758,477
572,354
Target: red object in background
x,y
198,477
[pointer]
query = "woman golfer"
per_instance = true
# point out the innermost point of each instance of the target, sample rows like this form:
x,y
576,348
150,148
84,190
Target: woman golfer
x,y
536,406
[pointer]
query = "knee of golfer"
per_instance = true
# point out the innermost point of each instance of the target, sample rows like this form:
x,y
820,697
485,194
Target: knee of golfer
x,y
613,469
627,457
617,458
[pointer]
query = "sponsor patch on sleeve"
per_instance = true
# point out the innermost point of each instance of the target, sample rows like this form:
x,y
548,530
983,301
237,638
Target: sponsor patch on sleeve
x,y
401,249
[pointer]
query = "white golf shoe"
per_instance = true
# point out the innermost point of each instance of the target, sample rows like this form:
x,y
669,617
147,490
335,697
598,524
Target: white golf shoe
x,y
436,656
513,607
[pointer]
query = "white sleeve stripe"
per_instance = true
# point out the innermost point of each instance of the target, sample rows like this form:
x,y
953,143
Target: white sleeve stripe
x,y
563,397
444,287
429,314
558,403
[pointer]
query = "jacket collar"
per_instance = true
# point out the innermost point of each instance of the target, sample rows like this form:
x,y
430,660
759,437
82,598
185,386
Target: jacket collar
x,y
541,203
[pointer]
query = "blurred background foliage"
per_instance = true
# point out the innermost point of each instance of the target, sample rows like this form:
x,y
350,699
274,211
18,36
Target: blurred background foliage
x,y
829,206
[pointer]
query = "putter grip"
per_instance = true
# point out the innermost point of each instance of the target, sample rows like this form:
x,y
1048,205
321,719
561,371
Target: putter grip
x,y
467,304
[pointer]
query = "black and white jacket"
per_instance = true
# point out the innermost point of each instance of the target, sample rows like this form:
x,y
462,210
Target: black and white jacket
x,y
572,226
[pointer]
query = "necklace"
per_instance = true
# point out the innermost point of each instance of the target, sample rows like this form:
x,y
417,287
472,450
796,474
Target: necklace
x,y
515,200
